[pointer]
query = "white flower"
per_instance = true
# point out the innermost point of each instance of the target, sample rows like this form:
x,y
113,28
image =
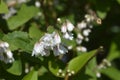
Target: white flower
x,y
68,36
57,38
37,4
49,42
86,32
39,49
89,18
64,28
59,49
70,26
98,74
79,38
81,48
5,54
9,55
82,25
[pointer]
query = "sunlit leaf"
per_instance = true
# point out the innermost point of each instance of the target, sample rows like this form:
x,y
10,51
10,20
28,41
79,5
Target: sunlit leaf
x,y
33,75
114,53
53,68
77,63
112,73
23,15
101,14
90,69
16,68
35,32
3,7
118,1
17,40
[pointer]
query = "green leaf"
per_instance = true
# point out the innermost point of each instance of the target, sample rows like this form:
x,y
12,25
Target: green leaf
x,y
33,75
77,63
53,68
3,7
90,69
112,73
16,68
101,14
18,40
118,1
35,32
50,29
24,15
114,53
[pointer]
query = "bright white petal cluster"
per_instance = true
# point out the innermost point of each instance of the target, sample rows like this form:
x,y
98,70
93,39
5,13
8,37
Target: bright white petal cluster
x,y
5,53
49,42
81,49
67,29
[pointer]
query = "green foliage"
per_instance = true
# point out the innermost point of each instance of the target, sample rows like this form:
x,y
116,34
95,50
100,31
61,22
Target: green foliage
x,y
21,30
77,63
114,52
16,68
23,15
33,75
34,32
3,7
110,73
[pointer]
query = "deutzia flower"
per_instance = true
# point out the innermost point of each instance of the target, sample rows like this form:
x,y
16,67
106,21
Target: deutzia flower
x,y
66,29
82,25
82,49
49,42
5,54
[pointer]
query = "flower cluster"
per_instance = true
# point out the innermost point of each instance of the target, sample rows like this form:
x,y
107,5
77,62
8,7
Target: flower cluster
x,y
84,29
64,73
67,29
49,42
5,53
103,65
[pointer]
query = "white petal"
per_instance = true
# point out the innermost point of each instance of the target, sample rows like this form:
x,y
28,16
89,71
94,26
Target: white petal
x,y
70,26
6,44
85,32
57,39
37,4
66,35
79,36
64,28
82,25
9,54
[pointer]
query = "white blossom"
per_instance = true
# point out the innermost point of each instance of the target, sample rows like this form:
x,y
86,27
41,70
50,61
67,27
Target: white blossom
x,y
5,53
82,25
70,26
64,28
81,48
89,18
98,74
67,29
37,4
49,42
86,32
79,38
68,36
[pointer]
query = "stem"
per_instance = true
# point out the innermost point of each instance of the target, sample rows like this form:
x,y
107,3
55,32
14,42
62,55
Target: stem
x,y
66,77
